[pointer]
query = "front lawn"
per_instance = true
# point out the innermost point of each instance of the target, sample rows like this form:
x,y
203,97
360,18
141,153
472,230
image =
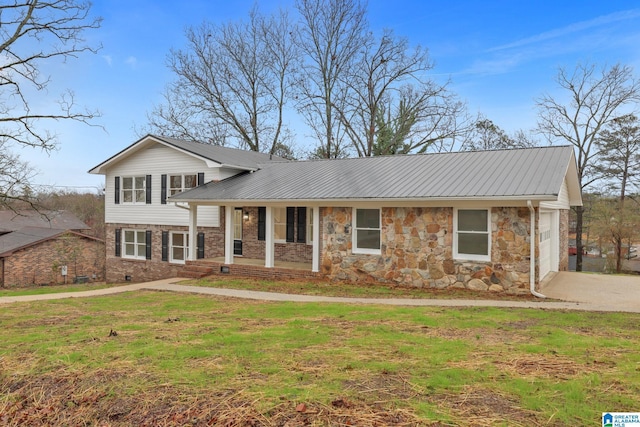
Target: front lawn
x,y
159,358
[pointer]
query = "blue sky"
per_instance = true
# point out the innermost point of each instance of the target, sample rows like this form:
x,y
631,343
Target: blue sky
x,y
498,55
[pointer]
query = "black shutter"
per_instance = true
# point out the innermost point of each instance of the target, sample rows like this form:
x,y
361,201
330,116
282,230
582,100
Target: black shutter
x,y
302,225
165,246
291,214
200,178
148,242
200,242
117,191
262,222
118,241
163,189
148,188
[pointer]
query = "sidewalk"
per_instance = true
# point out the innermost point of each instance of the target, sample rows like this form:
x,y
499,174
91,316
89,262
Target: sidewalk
x,y
172,285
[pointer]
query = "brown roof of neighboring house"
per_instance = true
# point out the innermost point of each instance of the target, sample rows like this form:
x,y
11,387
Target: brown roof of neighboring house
x,y
29,236
60,220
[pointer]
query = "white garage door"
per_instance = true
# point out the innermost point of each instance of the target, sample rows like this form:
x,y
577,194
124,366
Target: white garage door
x,y
545,243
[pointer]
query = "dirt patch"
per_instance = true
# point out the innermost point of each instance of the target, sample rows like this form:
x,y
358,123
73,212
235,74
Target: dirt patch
x,y
480,407
62,399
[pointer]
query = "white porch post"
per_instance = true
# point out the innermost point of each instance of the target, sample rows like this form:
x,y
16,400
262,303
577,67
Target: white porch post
x,y
228,234
315,263
193,231
268,234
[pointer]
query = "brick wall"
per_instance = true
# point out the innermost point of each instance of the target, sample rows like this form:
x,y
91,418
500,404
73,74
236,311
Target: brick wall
x,y
564,241
142,270
254,248
41,264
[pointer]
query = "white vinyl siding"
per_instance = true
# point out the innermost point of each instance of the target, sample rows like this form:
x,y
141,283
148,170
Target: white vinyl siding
x,y
472,234
156,161
563,199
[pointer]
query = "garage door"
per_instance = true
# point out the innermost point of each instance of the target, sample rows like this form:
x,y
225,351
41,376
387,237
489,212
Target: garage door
x,y
544,239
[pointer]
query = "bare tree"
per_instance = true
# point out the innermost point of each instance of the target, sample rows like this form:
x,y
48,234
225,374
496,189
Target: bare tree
x,y
486,135
233,81
595,97
331,36
33,33
619,163
388,86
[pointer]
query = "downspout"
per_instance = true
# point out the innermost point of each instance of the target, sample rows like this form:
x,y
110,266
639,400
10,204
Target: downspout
x,y
532,257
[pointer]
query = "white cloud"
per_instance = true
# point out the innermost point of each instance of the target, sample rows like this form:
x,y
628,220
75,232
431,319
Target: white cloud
x,y
108,59
571,29
132,61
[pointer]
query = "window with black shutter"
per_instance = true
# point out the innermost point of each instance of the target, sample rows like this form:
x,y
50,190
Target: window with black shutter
x,y
262,222
302,225
291,213
163,189
148,243
148,189
117,190
200,242
165,245
118,242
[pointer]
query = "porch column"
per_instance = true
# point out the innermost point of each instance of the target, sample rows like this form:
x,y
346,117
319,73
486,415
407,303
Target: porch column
x,y
268,234
228,234
315,263
193,232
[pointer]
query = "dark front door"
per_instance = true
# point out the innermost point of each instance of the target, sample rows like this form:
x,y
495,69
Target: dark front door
x,y
237,231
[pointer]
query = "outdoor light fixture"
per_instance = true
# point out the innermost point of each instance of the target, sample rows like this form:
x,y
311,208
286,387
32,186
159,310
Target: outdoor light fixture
x,y
246,215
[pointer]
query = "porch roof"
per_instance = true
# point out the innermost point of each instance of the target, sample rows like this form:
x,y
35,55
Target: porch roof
x,y
533,173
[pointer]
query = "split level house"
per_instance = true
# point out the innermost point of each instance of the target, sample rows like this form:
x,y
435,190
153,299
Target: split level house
x,y
47,247
480,220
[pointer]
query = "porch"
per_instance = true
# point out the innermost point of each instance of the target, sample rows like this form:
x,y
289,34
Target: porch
x,y
249,267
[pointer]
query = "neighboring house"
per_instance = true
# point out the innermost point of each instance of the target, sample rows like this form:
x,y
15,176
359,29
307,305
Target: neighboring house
x,y
433,220
47,247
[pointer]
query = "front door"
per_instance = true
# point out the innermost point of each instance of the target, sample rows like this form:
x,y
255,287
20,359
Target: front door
x,y
237,231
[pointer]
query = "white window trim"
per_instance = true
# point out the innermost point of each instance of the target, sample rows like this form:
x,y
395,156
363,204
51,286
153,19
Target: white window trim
x,y
185,247
123,244
284,209
182,182
471,257
309,226
133,190
354,230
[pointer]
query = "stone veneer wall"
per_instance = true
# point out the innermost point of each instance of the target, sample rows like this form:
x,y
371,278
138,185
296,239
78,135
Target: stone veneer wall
x,y
141,270
417,245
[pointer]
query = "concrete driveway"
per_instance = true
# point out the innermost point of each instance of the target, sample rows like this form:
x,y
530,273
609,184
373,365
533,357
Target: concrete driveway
x,y
606,291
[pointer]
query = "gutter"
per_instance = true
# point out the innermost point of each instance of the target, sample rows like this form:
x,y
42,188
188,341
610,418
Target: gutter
x,y
532,250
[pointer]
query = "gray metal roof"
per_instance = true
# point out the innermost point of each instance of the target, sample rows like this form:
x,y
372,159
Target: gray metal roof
x,y
230,157
520,173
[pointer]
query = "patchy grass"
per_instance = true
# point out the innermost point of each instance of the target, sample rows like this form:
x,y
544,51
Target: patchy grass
x,y
346,289
160,358
52,289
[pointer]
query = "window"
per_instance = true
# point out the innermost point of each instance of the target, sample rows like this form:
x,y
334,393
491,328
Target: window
x,y
179,247
134,244
134,189
279,224
310,226
366,233
472,234
179,183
